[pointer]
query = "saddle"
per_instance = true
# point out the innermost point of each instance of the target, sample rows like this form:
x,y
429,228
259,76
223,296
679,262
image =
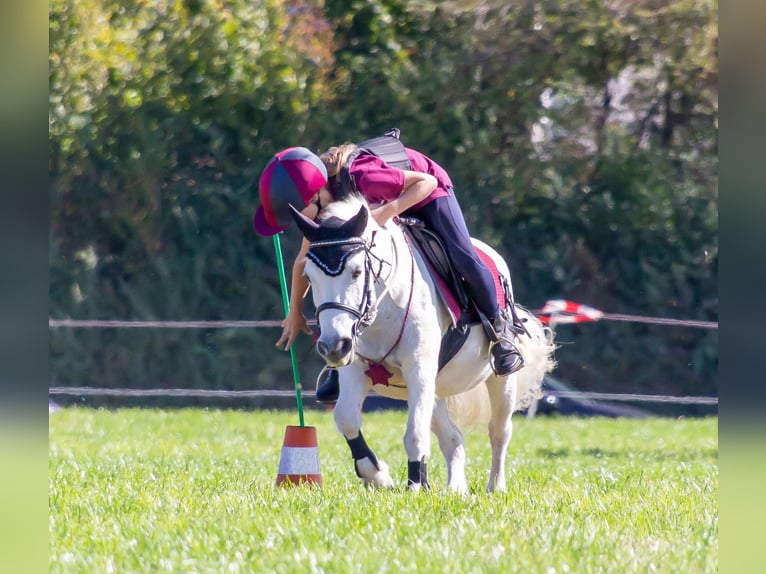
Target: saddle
x,y
387,147
463,309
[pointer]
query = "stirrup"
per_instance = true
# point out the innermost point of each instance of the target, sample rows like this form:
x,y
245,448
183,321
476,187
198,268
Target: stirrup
x,y
515,366
328,386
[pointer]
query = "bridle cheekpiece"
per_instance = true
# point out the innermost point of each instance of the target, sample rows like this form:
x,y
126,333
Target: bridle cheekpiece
x,y
330,255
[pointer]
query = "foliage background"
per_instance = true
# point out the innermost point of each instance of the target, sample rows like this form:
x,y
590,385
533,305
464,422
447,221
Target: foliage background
x,y
581,136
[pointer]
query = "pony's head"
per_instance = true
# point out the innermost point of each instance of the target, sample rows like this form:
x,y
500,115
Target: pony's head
x,y
340,270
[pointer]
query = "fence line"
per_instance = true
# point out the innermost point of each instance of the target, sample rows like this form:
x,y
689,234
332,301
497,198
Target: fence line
x,y
90,324
95,323
565,312
660,320
191,393
634,397
273,393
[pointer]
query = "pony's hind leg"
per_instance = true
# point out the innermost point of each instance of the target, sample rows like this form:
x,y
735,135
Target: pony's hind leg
x,y
348,420
452,444
502,397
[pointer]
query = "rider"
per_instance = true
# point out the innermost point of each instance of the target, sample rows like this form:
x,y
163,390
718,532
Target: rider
x,y
297,176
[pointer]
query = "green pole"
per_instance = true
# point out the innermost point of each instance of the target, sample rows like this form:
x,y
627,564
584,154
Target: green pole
x,y
286,302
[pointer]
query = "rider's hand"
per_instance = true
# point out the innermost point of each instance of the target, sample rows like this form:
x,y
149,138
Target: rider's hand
x,y
292,325
382,213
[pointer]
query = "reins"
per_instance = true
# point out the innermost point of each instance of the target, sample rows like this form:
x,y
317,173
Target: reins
x,y
367,310
407,310
361,314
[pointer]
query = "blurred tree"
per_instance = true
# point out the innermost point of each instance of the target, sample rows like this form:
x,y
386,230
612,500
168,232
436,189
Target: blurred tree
x,y
581,136
162,117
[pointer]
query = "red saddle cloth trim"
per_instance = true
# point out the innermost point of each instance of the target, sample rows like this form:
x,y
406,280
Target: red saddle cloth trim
x,y
445,291
490,263
379,374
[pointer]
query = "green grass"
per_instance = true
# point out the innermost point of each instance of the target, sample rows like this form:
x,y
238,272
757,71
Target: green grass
x,y
192,491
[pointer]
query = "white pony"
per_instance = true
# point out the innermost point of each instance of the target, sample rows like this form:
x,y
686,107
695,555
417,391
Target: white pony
x,y
381,319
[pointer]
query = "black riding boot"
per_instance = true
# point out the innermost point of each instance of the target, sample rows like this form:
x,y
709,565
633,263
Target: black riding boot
x,y
328,386
506,358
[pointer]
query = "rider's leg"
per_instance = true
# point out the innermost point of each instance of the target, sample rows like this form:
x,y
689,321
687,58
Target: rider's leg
x,y
444,217
328,386
506,356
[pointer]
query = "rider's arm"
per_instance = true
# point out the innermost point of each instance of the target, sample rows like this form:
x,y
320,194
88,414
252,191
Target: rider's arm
x,y
417,186
295,322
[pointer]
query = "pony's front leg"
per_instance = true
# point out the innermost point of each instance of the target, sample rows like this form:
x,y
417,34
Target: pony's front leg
x,y
421,382
354,387
502,397
452,444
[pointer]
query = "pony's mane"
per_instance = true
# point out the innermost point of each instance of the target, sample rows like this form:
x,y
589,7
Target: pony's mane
x,y
345,208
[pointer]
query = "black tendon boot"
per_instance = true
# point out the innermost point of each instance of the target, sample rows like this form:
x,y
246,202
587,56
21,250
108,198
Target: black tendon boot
x,y
328,386
506,358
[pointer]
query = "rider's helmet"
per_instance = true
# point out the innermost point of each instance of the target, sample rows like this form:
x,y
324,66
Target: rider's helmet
x,y
292,177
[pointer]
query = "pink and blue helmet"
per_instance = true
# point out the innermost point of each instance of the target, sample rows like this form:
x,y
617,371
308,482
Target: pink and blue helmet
x,y
292,177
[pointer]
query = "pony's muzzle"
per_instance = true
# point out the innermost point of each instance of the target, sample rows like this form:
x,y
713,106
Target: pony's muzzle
x,y
336,353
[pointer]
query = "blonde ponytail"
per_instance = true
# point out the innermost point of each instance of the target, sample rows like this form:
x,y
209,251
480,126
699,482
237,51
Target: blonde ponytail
x,y
335,157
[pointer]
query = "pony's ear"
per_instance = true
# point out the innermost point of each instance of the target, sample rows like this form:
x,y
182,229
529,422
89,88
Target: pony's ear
x,y
355,226
307,227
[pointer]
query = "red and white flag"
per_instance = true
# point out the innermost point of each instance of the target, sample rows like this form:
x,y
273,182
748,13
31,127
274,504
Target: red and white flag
x,y
557,311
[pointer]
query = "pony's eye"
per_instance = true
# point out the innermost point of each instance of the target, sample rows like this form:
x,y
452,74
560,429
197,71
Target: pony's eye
x,y
356,273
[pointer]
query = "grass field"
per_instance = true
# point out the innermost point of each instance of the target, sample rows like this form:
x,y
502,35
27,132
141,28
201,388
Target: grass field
x,y
192,491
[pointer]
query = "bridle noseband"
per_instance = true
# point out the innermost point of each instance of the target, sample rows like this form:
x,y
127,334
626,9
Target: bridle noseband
x,y
367,310
365,313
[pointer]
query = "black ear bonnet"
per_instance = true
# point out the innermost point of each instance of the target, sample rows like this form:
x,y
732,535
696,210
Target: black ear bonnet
x,y
333,246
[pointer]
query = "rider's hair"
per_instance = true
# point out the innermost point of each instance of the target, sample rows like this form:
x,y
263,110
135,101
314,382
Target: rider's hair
x,y
334,159
336,156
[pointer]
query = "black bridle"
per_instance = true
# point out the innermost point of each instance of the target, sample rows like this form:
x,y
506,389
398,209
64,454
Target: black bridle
x,y
365,312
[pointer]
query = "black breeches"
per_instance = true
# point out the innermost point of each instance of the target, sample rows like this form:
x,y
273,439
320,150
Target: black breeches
x,y
445,218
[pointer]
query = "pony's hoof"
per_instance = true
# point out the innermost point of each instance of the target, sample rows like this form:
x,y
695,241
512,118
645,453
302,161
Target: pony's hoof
x,y
495,487
375,477
418,486
459,488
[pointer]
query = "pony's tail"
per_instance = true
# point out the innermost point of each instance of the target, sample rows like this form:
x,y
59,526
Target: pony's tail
x,y
473,406
537,350
470,407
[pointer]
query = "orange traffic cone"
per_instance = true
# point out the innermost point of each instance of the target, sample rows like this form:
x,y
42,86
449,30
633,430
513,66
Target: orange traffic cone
x,y
299,462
